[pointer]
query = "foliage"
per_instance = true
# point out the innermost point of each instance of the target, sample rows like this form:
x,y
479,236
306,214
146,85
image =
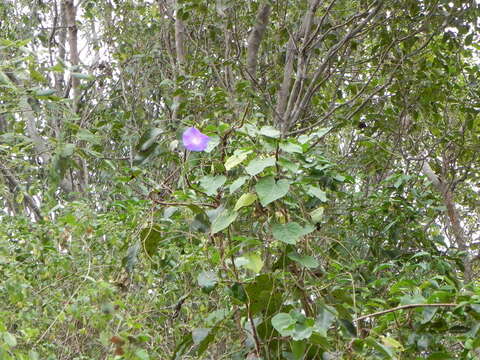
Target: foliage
x,y
332,214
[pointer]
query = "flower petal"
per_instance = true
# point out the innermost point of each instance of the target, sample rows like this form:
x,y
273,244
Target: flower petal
x,y
194,140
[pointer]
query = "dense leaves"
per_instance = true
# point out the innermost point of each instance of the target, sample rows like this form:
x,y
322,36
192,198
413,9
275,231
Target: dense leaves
x,y
327,210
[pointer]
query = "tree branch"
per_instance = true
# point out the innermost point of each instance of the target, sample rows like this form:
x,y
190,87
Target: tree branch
x,y
255,38
282,97
403,307
70,15
452,214
302,101
180,57
14,185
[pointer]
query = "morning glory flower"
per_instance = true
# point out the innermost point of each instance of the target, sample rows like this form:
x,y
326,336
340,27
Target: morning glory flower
x,y
194,140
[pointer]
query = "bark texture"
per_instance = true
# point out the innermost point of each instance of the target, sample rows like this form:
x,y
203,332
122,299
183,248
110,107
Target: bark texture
x,y
255,38
453,216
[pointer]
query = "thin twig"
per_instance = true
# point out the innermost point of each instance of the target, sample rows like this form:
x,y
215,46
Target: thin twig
x,y
403,307
182,204
67,303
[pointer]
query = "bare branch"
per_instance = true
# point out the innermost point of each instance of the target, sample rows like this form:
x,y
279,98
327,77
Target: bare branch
x,y
452,214
305,99
283,93
180,57
285,97
15,186
255,38
70,15
179,40
403,307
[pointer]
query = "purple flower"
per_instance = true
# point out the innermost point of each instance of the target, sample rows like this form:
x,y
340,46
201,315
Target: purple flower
x,y
194,140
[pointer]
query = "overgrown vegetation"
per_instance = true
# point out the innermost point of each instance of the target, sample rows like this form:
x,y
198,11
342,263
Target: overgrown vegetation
x,y
333,215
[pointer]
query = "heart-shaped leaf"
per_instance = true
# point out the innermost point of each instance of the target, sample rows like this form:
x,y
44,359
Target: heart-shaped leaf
x,y
245,200
207,279
317,192
306,260
212,183
223,220
290,233
256,166
284,324
269,190
237,157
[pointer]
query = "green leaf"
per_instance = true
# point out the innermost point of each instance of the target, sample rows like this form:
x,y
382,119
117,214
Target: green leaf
x,y
147,155
223,220
298,349
237,184
37,76
182,347
254,262
317,214
237,157
58,68
203,337
66,150
212,183
306,261
256,166
238,292
5,80
317,192
33,355
200,223
284,324
290,233
428,314
148,139
391,342
261,295
83,76
319,340
44,92
384,350
303,331
291,148
213,143
87,136
9,339
412,299
142,354
268,190
130,260
199,334
324,320
289,165
207,279
245,200
322,132
270,131
151,238
349,327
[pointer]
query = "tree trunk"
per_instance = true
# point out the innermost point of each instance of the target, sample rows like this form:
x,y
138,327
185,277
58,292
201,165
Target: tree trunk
x,y
255,38
453,216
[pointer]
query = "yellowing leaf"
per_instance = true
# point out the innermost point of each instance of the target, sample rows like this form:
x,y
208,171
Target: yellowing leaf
x,y
255,262
391,342
245,200
317,214
237,157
